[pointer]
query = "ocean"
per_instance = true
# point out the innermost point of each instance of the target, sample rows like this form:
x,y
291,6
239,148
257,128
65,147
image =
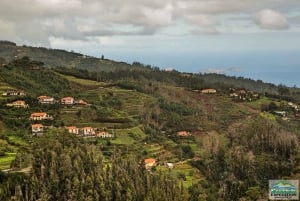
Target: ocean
x,y
290,79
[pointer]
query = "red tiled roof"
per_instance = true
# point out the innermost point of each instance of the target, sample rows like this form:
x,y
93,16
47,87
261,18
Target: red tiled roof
x,y
38,114
37,125
149,160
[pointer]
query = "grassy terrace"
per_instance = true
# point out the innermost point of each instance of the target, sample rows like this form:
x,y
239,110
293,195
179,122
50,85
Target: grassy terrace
x,y
83,82
6,160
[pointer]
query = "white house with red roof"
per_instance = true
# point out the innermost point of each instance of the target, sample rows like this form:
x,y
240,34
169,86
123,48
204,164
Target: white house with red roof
x,y
72,129
17,104
67,101
37,116
46,100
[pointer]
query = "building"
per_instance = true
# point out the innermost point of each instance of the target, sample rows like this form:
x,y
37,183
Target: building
x,y
183,133
67,101
149,163
103,134
73,129
81,102
208,91
37,116
13,93
17,104
46,100
37,129
87,131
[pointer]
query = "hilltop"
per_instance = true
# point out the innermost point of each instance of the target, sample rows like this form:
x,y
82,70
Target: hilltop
x,y
210,136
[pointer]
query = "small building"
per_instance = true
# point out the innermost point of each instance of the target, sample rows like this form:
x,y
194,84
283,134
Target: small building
x,y
280,113
73,129
183,133
234,95
209,91
87,131
67,101
104,134
37,116
13,93
37,129
170,165
81,102
46,100
149,163
17,104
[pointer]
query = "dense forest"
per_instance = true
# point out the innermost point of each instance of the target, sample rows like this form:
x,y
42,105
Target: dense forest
x,y
224,145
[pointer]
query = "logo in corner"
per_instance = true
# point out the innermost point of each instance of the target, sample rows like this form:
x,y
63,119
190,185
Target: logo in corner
x,y
283,190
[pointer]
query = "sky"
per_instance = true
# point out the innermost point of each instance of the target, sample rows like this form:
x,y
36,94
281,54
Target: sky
x,y
251,38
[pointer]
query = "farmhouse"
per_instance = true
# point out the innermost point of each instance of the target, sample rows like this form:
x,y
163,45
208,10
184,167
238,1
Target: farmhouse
x,y
67,101
87,131
208,91
17,104
149,163
73,129
81,102
37,129
46,100
40,116
183,133
103,134
13,93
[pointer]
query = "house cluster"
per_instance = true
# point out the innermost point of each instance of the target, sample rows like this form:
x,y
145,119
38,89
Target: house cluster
x,y
67,101
39,129
243,95
89,132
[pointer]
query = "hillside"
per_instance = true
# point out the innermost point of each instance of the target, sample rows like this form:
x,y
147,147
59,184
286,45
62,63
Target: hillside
x,y
219,144
54,57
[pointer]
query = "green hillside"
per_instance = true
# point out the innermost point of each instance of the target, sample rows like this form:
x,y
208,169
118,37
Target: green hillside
x,y
223,145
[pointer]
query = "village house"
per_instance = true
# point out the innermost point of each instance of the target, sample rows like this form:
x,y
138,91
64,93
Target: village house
x,y
104,134
149,163
292,105
13,93
40,116
17,104
81,102
170,165
37,129
208,91
183,133
73,129
67,101
87,131
46,100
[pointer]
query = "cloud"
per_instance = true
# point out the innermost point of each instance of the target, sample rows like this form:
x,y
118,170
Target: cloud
x,y
270,19
39,20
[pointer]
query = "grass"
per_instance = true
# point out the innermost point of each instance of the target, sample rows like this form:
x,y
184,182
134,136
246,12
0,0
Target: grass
x,y
191,174
268,116
6,160
82,82
128,136
16,140
258,103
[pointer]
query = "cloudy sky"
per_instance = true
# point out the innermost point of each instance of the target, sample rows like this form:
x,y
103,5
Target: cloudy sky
x,y
188,35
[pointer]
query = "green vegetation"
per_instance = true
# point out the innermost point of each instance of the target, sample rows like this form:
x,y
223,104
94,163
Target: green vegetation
x,y
232,147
